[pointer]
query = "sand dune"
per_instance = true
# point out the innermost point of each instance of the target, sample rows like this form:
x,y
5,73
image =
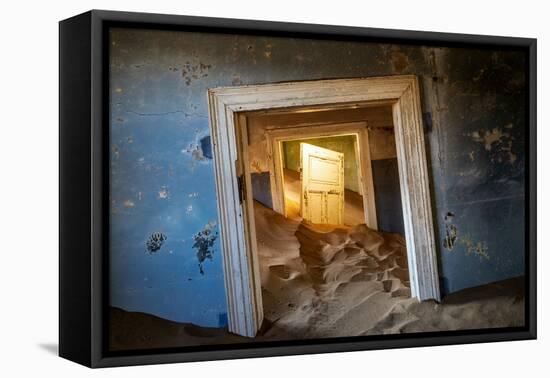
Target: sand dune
x,y
137,330
315,277
326,281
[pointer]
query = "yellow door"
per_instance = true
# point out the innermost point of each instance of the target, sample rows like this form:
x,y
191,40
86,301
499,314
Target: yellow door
x,y
322,185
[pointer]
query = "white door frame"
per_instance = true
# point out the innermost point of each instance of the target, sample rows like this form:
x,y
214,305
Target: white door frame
x,y
234,192
274,138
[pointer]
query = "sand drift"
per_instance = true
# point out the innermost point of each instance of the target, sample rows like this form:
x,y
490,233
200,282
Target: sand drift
x,y
326,281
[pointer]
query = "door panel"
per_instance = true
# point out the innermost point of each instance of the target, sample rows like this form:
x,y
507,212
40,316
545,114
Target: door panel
x,y
315,207
322,184
323,171
334,210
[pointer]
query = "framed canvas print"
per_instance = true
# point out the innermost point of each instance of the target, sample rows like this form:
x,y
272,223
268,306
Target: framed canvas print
x,y
234,188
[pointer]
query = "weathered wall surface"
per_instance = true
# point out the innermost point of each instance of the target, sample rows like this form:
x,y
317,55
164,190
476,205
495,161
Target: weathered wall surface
x,y
165,256
477,148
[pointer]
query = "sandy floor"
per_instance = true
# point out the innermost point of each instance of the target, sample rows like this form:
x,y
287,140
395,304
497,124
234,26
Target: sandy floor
x,y
327,282
353,202
348,281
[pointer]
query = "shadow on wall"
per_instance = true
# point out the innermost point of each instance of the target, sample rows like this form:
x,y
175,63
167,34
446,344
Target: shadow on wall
x,y
389,211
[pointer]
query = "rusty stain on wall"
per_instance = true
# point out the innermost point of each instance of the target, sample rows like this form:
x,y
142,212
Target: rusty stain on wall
x,y
399,60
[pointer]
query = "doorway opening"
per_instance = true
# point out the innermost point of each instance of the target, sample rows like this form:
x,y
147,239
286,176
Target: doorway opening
x,y
284,134
254,177
321,180
317,257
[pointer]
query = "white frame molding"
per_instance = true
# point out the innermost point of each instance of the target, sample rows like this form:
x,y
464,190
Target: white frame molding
x,y
275,160
229,141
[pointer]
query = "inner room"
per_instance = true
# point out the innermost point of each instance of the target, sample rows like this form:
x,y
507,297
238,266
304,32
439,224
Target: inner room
x,y
328,219
324,177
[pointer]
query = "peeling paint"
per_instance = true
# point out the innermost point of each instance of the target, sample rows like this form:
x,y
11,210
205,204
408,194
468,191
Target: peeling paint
x,y
164,193
197,154
508,150
204,240
155,242
451,232
201,150
129,204
191,72
479,249
116,151
488,137
498,142
267,51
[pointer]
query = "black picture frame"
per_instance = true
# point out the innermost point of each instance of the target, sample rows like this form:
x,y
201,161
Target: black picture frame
x,y
83,196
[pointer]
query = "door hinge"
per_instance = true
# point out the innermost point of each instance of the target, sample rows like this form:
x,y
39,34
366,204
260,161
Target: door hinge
x,y
241,188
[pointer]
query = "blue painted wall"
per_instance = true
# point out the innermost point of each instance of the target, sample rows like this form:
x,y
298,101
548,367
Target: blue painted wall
x,y
165,254
261,188
387,193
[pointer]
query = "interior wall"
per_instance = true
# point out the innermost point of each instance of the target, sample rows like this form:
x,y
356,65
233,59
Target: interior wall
x,y
387,193
162,178
385,176
381,144
381,138
379,117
